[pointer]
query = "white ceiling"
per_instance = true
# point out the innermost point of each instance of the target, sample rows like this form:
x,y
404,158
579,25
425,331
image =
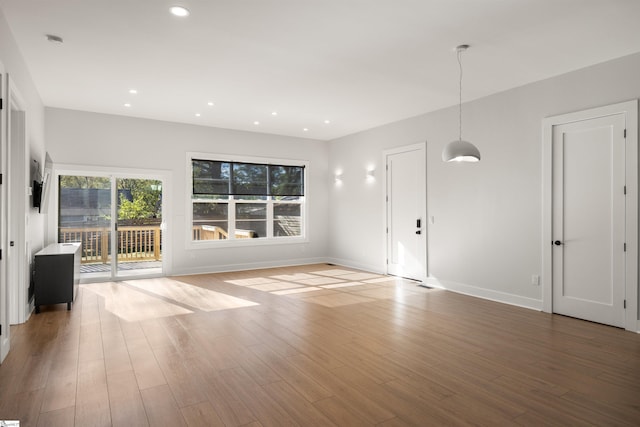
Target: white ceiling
x,y
357,63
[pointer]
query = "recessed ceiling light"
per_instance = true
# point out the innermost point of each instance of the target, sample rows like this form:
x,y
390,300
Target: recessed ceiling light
x,y
256,123
210,104
274,113
326,122
127,105
305,130
197,114
133,91
179,11
54,39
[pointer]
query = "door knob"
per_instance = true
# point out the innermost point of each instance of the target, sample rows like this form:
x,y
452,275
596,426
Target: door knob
x,y
419,232
557,243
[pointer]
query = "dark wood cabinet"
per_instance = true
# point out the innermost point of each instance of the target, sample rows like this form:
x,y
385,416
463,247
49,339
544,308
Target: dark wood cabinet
x,y
57,274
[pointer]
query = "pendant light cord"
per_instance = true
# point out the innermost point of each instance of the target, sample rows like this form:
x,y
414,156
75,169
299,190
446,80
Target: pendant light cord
x,y
460,103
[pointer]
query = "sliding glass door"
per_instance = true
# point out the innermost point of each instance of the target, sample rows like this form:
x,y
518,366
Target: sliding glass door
x,y
84,215
138,226
118,220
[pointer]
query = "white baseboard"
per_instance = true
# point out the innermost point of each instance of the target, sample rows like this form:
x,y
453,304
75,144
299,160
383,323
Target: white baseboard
x,y
4,347
489,294
30,308
356,265
247,266
225,268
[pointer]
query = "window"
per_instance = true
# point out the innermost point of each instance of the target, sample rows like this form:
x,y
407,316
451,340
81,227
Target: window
x,y
234,200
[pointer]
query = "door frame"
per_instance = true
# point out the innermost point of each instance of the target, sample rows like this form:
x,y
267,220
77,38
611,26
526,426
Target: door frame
x,y
18,173
100,171
5,337
630,111
422,148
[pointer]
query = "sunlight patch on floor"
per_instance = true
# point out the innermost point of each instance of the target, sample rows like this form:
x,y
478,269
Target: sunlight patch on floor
x,y
359,276
320,281
146,299
341,285
297,290
275,286
333,287
193,296
334,272
132,305
294,277
252,281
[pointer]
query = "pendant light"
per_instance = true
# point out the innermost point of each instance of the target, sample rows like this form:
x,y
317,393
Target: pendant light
x,y
459,150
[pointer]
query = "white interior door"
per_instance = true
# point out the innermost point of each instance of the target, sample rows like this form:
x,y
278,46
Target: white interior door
x,y
18,170
589,219
406,195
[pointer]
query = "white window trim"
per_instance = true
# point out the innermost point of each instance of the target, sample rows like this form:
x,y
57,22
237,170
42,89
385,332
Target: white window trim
x,y
209,244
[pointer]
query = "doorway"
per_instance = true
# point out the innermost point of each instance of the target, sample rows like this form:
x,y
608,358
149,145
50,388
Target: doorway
x,y
18,174
118,220
4,302
405,201
591,216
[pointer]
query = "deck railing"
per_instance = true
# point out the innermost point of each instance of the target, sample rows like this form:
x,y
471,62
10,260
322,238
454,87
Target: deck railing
x,y
213,232
135,243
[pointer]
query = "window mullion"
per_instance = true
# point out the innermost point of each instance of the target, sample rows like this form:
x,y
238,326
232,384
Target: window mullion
x,y
270,217
231,212
303,216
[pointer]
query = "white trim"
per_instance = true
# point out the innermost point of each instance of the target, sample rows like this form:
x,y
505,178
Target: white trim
x,y
18,181
488,294
191,244
630,110
121,278
371,268
113,226
239,243
225,268
632,313
5,338
5,345
422,147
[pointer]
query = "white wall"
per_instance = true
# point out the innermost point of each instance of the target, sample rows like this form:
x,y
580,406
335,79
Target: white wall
x,y
22,82
83,138
487,235
20,77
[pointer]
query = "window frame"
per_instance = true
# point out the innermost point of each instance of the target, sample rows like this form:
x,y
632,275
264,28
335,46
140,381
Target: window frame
x,y
232,202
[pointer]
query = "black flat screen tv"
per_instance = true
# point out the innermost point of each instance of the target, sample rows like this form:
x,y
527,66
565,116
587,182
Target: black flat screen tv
x,y
37,195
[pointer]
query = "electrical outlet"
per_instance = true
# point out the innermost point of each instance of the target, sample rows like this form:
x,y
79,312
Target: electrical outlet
x,y
535,280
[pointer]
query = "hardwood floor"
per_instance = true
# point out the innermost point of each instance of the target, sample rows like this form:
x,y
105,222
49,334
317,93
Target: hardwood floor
x,y
311,345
